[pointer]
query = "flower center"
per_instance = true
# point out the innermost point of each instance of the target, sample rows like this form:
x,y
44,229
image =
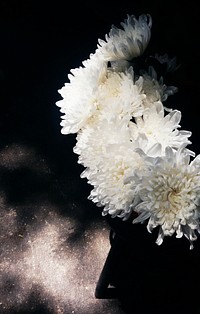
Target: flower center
x,y
174,198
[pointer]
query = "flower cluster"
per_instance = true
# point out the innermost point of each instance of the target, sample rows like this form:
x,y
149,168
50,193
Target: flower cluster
x,y
132,147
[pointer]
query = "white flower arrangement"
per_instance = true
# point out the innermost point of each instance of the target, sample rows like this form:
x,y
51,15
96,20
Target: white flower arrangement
x,y
132,146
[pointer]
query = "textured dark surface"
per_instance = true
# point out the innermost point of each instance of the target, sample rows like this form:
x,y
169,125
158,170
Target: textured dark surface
x,y
53,241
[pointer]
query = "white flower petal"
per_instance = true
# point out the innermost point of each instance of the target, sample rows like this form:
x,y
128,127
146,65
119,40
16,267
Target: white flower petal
x,y
129,42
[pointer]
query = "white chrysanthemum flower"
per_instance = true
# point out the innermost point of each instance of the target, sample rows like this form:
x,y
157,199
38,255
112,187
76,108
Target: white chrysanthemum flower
x,y
170,195
79,102
108,155
154,88
126,43
95,142
119,94
95,89
159,128
111,190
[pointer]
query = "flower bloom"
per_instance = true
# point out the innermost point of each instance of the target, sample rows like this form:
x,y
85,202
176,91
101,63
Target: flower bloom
x,y
107,153
129,42
78,103
169,193
160,128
